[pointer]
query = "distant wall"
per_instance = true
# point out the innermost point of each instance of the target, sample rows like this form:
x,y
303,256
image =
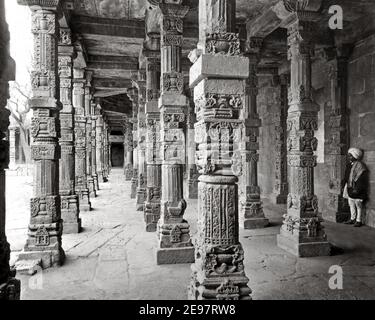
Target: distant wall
x,y
362,110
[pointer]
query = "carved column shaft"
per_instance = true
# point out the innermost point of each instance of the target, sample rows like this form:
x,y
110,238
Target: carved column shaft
x,y
128,144
133,95
281,172
219,95
174,231
80,140
94,169
252,204
45,228
9,286
141,134
69,199
99,147
337,136
302,233
89,140
153,158
106,147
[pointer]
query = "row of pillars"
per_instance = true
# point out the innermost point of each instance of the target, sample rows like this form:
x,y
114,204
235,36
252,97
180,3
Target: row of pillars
x,y
223,80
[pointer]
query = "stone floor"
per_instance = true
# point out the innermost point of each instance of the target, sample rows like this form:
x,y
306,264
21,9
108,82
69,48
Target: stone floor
x,y
114,258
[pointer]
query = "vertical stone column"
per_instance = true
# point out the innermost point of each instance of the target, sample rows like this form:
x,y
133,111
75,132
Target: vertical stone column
x,y
133,96
141,130
173,230
219,95
192,171
153,159
12,147
252,205
281,167
88,114
99,146
129,151
43,245
94,172
106,151
69,198
302,233
80,140
337,136
9,286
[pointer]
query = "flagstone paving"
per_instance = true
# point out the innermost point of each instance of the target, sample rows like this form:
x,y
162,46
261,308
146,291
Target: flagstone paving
x,y
115,258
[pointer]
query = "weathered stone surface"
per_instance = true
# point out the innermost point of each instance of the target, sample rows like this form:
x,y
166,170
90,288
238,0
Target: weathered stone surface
x,y
175,255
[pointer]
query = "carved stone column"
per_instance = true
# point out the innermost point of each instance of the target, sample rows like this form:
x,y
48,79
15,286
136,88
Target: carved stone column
x,y
9,286
80,140
94,172
337,136
12,147
43,244
153,157
302,233
106,147
128,144
99,146
141,131
252,205
219,95
133,96
192,171
173,230
69,198
88,113
280,121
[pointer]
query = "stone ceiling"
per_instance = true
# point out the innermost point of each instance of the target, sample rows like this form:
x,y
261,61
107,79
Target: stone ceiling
x,y
112,33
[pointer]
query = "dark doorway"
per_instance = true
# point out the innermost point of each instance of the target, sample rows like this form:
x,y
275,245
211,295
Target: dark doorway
x,y
117,155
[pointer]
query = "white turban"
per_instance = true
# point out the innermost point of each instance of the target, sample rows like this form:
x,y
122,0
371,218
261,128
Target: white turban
x,y
356,153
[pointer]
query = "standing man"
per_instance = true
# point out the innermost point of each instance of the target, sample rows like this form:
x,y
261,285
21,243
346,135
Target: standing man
x,y
356,186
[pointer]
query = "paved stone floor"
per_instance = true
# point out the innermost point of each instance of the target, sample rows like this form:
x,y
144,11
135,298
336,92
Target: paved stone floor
x,y
114,258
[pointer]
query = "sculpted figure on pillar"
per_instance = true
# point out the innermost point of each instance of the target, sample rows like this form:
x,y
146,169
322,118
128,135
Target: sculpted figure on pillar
x,y
175,244
9,286
43,245
219,95
302,233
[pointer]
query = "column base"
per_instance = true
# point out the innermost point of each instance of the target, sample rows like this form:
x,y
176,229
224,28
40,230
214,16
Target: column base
x,y
337,217
84,199
10,290
256,223
91,185
133,188
96,182
307,249
281,199
72,227
151,216
175,255
47,259
141,198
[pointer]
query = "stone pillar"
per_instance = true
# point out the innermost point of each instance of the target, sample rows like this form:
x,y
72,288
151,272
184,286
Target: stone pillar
x,y
94,172
90,179
252,204
133,95
302,233
173,230
69,198
153,159
141,131
80,140
12,147
99,147
337,136
219,95
192,171
129,151
281,167
43,245
106,151
9,286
